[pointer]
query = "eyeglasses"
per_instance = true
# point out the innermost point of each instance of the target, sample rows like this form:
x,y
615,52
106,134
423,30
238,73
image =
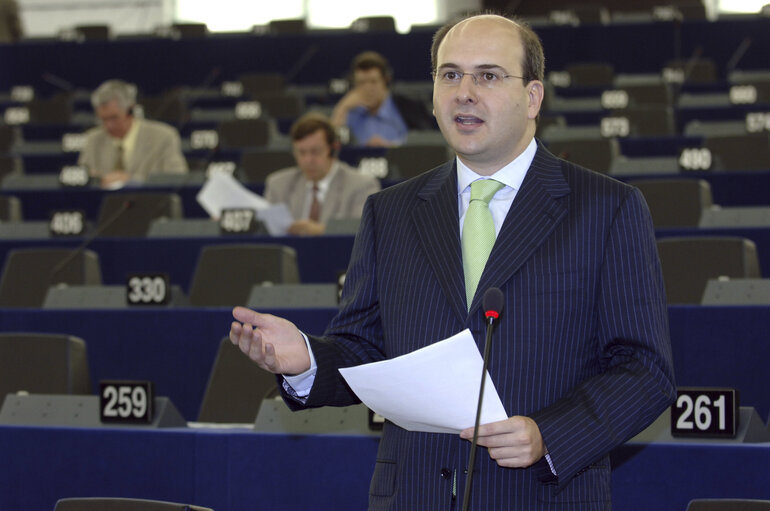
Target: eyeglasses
x,y
487,79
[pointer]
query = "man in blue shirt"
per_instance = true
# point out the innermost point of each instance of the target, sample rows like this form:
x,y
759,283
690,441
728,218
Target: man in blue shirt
x,y
375,117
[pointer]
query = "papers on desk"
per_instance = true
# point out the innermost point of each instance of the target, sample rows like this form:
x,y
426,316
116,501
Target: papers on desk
x,y
433,389
223,191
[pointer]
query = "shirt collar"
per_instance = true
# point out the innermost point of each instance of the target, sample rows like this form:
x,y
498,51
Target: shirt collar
x,y
387,107
130,137
510,175
324,183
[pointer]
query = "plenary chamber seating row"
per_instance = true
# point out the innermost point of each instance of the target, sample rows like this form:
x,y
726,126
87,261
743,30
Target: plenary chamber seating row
x,y
688,202
155,347
225,275
58,364
229,274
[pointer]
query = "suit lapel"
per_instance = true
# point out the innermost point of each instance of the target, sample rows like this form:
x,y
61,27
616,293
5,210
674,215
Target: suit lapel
x,y
333,200
106,153
297,195
436,223
535,212
137,158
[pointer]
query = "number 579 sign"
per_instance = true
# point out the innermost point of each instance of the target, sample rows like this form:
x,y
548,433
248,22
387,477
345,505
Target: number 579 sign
x,y
705,412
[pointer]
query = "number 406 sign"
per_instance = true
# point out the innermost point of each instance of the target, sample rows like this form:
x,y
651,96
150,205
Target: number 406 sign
x,y
705,412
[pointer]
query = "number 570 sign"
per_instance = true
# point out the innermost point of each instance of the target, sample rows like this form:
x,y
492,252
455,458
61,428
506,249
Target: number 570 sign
x,y
705,412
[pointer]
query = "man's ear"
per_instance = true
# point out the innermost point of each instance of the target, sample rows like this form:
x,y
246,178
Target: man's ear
x,y
535,93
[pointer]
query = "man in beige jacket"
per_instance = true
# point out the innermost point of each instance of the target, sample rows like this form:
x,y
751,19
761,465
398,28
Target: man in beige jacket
x,y
320,187
125,148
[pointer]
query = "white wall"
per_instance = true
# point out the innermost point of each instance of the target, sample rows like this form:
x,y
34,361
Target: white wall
x,y
49,17
43,18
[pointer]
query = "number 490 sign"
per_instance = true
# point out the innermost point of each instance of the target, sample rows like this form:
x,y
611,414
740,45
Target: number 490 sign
x,y
705,412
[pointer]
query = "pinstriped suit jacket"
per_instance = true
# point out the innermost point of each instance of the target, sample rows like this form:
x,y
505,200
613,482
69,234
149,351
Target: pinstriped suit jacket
x,y
582,345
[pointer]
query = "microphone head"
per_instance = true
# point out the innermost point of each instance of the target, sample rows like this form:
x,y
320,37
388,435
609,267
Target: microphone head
x,y
493,302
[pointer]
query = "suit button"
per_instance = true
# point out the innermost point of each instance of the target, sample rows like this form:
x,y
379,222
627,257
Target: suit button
x,y
446,473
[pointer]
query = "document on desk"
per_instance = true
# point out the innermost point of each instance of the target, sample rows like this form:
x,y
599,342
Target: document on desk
x,y
223,191
433,389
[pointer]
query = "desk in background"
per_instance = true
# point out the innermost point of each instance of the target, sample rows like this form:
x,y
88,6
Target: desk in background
x,y
732,188
238,470
153,62
319,258
176,348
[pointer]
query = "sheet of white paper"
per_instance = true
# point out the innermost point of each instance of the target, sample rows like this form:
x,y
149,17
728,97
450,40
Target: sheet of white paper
x,y
277,219
222,191
433,389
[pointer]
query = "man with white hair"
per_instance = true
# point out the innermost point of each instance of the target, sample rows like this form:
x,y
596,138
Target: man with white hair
x,y
125,148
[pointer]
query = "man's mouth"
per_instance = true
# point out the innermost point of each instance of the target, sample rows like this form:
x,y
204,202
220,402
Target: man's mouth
x,y
468,120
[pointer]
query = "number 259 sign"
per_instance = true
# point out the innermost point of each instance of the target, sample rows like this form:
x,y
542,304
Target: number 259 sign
x,y
126,401
705,412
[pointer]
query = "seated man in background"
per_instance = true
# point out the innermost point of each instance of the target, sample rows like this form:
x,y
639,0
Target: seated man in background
x,y
320,187
374,116
125,148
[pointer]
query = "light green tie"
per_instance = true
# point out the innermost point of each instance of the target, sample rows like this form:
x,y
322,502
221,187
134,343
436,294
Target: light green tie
x,y
478,233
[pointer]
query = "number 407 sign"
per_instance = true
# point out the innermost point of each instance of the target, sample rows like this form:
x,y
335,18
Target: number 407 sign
x,y
705,412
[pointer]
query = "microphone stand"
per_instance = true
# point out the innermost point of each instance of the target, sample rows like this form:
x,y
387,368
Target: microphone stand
x,y
491,316
85,244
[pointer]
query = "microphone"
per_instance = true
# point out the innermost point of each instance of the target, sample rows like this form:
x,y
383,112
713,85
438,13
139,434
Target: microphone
x,y
87,242
738,54
301,62
493,305
58,82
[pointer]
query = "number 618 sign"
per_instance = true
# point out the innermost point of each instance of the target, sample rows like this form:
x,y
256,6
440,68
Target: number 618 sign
x,y
705,412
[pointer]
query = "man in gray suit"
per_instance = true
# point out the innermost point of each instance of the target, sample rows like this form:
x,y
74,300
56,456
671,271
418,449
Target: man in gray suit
x,y
320,187
581,359
126,148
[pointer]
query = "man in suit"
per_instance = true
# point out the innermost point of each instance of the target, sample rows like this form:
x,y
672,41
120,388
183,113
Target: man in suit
x,y
581,358
125,148
375,116
320,187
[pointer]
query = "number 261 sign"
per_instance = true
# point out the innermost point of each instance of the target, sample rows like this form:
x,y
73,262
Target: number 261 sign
x,y
705,412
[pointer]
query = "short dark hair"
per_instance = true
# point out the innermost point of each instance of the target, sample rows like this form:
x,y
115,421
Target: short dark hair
x,y
309,124
533,67
371,60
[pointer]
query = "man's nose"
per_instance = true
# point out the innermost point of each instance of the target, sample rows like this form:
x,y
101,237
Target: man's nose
x,y
467,89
